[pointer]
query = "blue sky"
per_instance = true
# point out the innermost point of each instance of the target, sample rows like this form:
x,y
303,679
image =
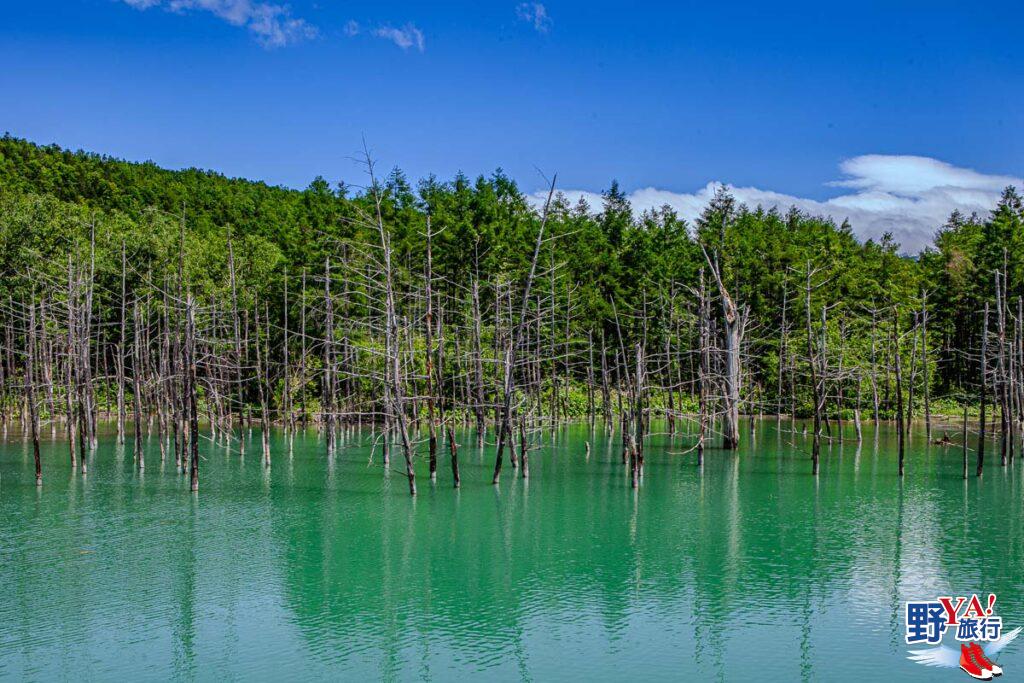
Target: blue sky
x,y
666,97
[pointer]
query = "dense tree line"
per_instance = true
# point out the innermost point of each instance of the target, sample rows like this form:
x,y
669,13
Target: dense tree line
x,y
344,302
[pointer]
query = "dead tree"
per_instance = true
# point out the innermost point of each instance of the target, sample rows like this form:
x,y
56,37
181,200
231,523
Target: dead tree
x,y
512,347
783,351
637,451
900,424
261,391
302,357
327,411
190,391
453,447
732,328
983,397
478,364
704,372
30,396
286,396
120,355
817,380
429,353
874,372
396,409
964,439
924,366
236,324
1000,382
137,386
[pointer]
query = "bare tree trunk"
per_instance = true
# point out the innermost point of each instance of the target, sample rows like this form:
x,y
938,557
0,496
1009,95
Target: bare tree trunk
x,y
705,368
286,394
783,351
1001,373
606,395
638,417
984,380
667,371
924,367
302,358
964,438
239,392
856,413
816,382
89,394
30,396
591,412
453,447
478,365
429,320
186,385
190,391
900,425
328,388
524,451
874,371
70,363
913,370
732,326
137,387
512,347
121,351
392,343
261,391
1018,390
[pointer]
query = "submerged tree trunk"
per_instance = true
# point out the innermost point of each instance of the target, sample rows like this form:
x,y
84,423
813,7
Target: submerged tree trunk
x,y
30,396
1000,375
983,397
478,365
120,359
704,369
239,393
900,424
732,327
327,410
874,373
261,391
190,382
513,344
429,357
137,387
964,438
816,381
396,410
924,367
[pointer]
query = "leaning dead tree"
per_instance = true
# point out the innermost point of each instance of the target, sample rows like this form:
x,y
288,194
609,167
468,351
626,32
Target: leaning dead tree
x,y
512,344
395,389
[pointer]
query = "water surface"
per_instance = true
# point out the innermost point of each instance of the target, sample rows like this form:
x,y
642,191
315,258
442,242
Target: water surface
x,y
750,569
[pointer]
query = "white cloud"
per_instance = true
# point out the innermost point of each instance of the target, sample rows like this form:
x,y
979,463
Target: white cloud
x,y
271,25
535,13
909,196
406,37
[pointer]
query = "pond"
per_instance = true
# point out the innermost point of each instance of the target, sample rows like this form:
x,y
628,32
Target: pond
x,y
316,568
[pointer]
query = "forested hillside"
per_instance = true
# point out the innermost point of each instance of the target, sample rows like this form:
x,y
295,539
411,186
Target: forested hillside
x,y
618,302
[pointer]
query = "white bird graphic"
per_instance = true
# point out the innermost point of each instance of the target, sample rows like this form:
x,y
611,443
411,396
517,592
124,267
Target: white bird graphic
x,y
948,658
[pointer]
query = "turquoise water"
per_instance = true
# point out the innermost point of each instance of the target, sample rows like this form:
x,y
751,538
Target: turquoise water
x,y
322,569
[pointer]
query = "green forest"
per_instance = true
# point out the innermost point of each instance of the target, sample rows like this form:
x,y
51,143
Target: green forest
x,y
295,323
